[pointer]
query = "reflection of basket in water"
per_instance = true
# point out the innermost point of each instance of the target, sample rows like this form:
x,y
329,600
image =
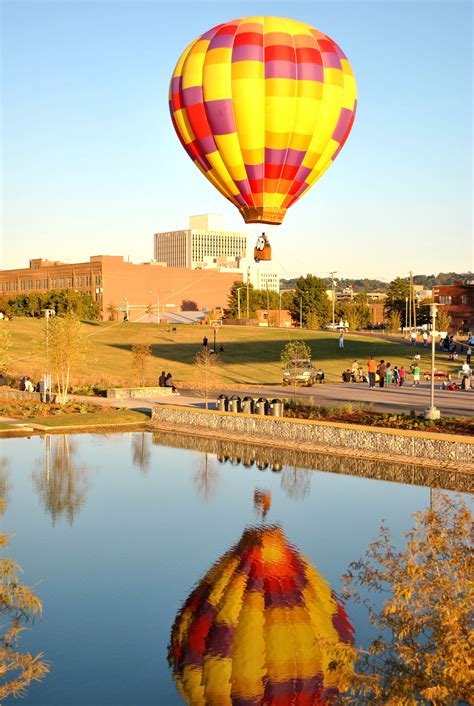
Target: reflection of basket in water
x,y
250,631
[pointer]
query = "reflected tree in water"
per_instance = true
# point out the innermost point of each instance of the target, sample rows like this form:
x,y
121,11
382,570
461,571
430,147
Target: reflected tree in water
x,y
296,482
60,482
18,607
206,477
4,479
141,450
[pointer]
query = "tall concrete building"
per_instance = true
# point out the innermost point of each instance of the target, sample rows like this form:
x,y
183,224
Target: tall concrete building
x,y
205,244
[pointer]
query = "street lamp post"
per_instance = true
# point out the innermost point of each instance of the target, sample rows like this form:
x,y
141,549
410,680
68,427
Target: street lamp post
x,y
406,317
301,312
238,301
279,309
248,298
433,413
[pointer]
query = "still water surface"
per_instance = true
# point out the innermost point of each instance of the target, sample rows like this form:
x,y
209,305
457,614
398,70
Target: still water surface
x,y
120,535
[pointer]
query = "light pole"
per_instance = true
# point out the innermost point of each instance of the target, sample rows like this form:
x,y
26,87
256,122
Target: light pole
x,y
158,320
333,287
433,413
301,312
248,287
279,308
238,301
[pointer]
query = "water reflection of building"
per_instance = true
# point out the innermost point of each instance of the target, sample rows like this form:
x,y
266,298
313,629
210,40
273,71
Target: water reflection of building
x,y
60,482
258,629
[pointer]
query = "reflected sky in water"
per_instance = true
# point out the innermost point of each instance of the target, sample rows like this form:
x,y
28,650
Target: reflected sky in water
x,y
116,532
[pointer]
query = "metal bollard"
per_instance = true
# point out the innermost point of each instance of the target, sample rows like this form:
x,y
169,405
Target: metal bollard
x,y
234,404
248,405
261,406
222,403
276,408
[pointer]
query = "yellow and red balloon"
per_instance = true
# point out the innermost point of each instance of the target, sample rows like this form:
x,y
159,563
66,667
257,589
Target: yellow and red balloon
x,y
248,633
263,106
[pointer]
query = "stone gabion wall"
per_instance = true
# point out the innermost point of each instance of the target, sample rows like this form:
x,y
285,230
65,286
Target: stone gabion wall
x,y
121,393
393,442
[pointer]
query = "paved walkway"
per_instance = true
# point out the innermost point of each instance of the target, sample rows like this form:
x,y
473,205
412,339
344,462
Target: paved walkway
x,y
458,403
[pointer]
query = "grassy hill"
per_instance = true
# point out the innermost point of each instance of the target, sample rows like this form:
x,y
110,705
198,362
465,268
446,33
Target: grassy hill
x,y
251,355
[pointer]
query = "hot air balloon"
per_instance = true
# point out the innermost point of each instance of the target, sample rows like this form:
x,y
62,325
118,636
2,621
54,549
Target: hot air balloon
x,y
263,106
248,633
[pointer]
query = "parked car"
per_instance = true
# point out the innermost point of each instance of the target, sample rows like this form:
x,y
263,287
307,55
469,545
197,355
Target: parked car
x,y
300,371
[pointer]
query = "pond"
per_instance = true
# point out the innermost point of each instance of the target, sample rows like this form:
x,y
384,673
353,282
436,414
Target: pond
x,y
115,532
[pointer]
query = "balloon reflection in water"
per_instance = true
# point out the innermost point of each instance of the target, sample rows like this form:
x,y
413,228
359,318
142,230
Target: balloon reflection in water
x,y
258,628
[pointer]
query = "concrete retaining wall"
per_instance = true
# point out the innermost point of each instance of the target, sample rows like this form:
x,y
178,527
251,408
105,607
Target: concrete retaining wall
x,y
120,393
8,393
304,433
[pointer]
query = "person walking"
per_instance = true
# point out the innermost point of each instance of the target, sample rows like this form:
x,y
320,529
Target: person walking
x,y
396,376
413,338
371,370
402,374
341,340
388,374
468,355
416,374
205,342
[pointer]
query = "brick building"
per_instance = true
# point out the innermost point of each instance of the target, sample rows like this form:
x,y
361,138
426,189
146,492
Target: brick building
x,y
458,300
114,283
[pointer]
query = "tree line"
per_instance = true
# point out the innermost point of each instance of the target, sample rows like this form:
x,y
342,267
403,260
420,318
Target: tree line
x,y
63,301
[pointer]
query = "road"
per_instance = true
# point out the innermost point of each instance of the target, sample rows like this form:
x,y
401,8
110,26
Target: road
x,y
459,403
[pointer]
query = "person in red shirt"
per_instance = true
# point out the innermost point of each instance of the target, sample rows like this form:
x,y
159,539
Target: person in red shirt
x,y
402,375
371,369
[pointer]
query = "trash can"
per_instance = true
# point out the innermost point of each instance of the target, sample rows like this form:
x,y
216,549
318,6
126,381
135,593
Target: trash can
x,y
248,405
261,406
234,404
222,403
276,408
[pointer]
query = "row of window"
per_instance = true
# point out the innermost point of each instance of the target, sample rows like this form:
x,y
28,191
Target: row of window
x,y
53,283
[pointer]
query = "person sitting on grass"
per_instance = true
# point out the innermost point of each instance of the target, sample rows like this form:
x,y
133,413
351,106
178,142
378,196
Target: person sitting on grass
x,y
346,375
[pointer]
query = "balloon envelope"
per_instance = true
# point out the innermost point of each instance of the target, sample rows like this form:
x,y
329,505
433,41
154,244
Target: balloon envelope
x,y
263,106
248,634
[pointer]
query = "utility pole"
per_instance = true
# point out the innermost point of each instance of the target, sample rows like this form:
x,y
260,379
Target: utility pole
x,y
301,311
410,292
268,304
406,317
333,286
414,303
248,289
279,308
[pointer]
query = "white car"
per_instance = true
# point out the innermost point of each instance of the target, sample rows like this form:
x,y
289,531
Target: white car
x,y
300,371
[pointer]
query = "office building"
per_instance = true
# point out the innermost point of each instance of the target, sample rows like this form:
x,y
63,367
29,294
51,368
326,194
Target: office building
x,y
205,244
119,285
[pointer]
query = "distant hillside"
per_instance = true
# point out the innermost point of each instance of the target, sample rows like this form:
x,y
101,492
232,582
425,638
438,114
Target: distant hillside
x,y
376,285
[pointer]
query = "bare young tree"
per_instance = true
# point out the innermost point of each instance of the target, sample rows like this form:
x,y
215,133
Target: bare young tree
x,y
66,343
141,355
206,373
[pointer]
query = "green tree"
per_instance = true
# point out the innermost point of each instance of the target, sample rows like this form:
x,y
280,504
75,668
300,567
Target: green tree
x,y
423,652
233,299
291,356
394,321
5,346
397,293
310,297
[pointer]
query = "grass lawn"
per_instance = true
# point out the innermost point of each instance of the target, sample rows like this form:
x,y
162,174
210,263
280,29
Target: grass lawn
x,y
96,419
251,355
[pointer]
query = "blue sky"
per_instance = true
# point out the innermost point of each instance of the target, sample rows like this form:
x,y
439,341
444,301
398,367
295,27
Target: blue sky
x,y
91,164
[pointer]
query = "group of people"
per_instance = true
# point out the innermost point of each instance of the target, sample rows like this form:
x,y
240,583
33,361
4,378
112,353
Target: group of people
x,y
166,380
385,374
25,384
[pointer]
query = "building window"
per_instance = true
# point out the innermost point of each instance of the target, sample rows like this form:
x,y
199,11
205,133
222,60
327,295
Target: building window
x,y
37,284
445,300
53,284
22,285
30,284
61,283
15,286
36,265
45,284
463,298
88,280
98,280
7,286
69,281
79,280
